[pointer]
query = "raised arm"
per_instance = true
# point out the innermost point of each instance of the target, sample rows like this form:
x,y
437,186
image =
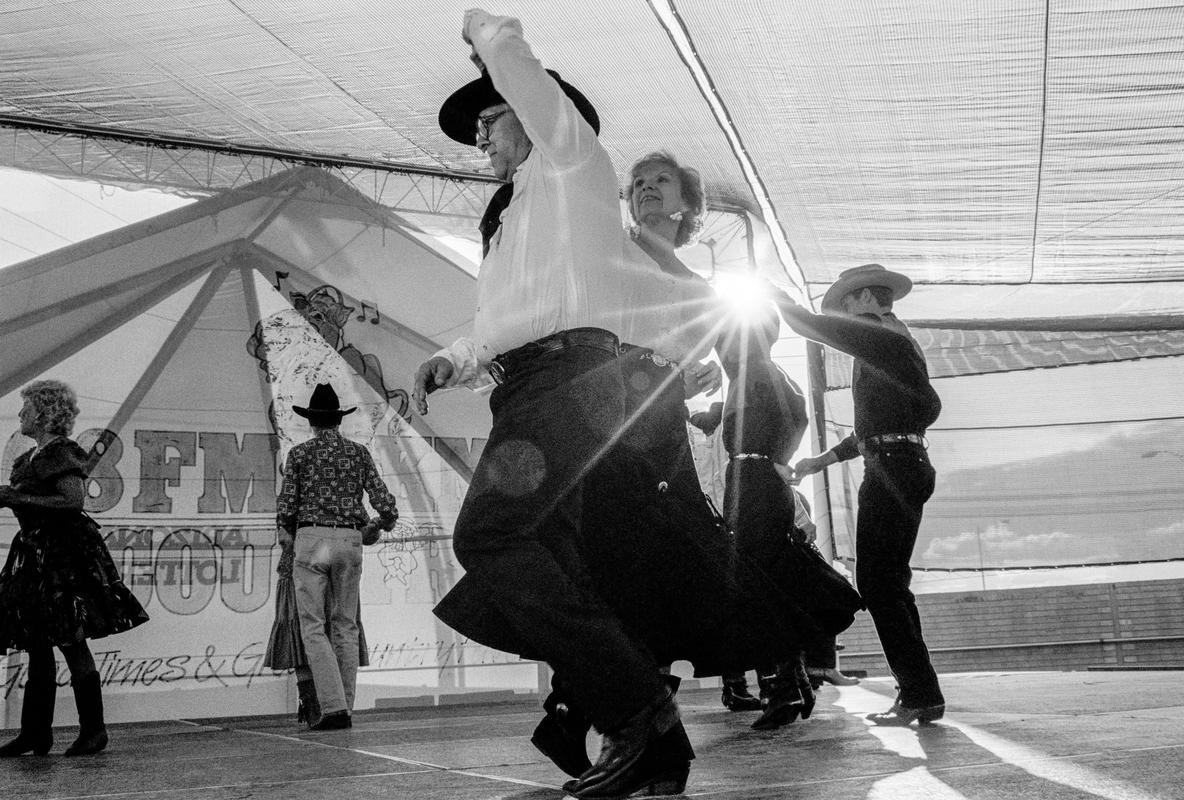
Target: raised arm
x,y
862,338
549,117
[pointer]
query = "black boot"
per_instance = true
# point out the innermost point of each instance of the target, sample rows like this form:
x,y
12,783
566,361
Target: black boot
x,y
308,707
36,734
92,732
667,763
805,687
561,735
736,696
783,699
648,756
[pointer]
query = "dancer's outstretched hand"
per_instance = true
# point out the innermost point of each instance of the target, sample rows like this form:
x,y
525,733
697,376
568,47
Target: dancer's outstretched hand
x,y
779,296
432,374
809,466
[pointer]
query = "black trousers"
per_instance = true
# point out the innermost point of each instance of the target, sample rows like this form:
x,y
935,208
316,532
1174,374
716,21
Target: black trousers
x,y
655,551
760,509
896,483
517,534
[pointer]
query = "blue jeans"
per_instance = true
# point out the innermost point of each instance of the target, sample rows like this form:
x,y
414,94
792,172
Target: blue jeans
x,y
328,574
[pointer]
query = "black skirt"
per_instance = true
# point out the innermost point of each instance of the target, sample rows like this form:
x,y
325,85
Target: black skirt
x,y
666,562
60,586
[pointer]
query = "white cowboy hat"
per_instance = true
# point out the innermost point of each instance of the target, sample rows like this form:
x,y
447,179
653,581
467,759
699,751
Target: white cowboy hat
x,y
861,277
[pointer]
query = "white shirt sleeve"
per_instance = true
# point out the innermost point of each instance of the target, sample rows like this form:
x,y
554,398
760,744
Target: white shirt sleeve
x,y
468,367
550,119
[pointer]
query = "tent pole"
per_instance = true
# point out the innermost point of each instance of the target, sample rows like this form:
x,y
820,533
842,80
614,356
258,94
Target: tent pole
x,y
163,272
64,351
816,379
271,215
254,315
169,348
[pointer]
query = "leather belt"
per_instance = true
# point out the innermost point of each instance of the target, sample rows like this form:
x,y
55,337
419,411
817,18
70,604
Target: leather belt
x,y
881,440
504,365
751,457
646,353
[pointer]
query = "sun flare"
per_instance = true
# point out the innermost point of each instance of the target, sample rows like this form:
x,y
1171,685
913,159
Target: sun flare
x,y
744,294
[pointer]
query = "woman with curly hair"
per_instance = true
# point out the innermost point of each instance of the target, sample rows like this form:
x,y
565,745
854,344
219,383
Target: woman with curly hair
x,y
666,203
59,586
673,322
678,317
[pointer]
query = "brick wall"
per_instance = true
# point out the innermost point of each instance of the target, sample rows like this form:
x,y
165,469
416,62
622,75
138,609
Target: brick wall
x,y
1138,624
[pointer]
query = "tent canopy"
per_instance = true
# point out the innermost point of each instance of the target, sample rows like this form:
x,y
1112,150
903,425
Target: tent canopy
x,y
1019,160
1019,143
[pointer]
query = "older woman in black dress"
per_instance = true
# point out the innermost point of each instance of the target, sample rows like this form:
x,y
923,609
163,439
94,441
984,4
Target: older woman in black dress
x,y
679,589
59,586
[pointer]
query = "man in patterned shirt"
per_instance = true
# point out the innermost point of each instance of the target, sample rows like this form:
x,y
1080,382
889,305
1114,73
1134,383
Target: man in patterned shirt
x,y
320,504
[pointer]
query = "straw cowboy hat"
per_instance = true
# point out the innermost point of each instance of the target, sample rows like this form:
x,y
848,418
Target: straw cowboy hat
x,y
458,115
323,407
861,277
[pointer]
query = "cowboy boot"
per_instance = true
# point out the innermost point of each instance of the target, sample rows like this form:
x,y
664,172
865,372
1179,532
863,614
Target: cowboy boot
x,y
666,766
36,734
92,732
831,675
561,735
736,696
308,707
649,755
783,699
805,686
901,716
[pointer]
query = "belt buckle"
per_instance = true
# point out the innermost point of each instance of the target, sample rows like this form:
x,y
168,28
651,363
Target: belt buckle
x,y
497,372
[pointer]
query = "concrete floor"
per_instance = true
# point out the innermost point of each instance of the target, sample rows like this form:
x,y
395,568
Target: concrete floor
x,y
1007,736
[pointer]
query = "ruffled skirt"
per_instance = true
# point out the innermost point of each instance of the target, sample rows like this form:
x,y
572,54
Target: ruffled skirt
x,y
60,586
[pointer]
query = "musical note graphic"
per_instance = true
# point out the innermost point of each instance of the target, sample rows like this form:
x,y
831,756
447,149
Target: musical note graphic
x,y
362,316
280,277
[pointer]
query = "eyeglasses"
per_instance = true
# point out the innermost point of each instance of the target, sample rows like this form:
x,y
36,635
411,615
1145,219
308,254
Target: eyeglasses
x,y
484,123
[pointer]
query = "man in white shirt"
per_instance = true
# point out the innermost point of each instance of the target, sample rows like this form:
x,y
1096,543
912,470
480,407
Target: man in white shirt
x,y
550,299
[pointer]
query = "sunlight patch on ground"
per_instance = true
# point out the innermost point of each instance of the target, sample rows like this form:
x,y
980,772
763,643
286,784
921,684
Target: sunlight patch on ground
x,y
860,702
1057,770
915,784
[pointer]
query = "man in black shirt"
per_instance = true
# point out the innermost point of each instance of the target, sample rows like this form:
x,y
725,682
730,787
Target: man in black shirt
x,y
894,404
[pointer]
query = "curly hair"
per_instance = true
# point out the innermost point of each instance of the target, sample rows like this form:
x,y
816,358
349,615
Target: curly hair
x,y
54,405
692,194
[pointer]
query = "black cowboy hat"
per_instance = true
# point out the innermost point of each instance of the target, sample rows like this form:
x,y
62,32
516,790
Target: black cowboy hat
x,y
458,115
323,406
